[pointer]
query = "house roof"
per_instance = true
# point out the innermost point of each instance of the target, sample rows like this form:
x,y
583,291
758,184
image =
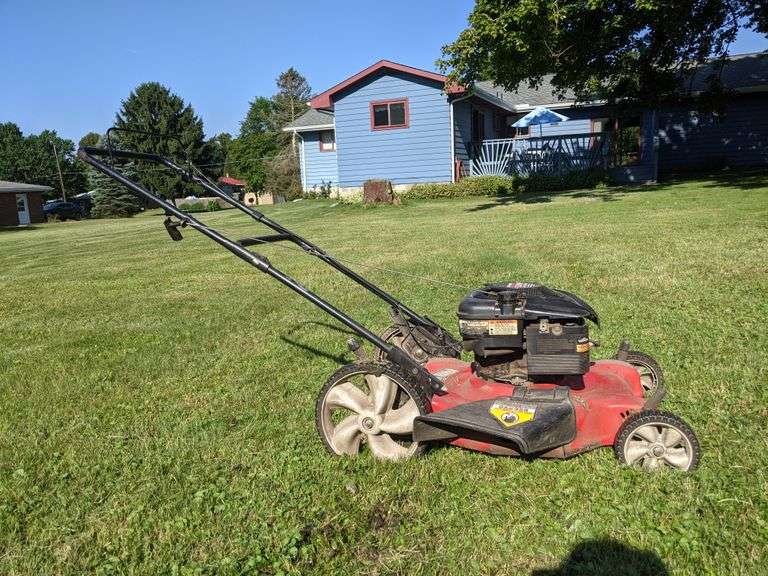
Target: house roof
x,y
741,72
20,188
231,181
526,97
311,120
325,99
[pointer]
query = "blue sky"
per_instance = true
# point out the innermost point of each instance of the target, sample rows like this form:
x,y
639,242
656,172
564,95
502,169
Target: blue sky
x,y
66,65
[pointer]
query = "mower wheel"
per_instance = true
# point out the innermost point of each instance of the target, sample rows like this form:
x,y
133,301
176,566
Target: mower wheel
x,y
371,404
651,376
653,440
394,335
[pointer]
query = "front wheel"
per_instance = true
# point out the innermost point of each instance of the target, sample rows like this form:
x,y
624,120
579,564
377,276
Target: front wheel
x,y
652,440
370,404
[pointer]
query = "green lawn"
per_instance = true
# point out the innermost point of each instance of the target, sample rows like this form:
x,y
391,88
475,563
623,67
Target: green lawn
x,y
157,406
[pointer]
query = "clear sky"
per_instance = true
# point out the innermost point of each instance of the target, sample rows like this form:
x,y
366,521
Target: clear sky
x,y
67,64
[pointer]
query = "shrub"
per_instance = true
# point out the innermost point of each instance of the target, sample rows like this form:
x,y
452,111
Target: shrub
x,y
474,186
317,192
506,185
213,206
568,181
192,207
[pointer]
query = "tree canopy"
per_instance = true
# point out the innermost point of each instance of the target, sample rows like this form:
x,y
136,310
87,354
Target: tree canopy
x,y
263,154
629,51
152,107
30,159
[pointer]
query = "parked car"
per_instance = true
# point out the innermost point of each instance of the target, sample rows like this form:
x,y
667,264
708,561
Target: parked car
x,y
62,210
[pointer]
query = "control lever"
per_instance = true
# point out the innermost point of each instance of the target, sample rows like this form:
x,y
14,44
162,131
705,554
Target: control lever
x,y
173,229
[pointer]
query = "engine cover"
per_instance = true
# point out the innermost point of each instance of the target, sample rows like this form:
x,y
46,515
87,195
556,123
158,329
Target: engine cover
x,y
518,330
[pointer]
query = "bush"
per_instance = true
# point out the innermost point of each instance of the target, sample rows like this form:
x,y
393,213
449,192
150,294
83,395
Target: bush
x,y
193,207
213,206
506,185
474,186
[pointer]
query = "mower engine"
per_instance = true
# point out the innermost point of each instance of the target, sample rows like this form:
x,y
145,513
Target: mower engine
x,y
519,332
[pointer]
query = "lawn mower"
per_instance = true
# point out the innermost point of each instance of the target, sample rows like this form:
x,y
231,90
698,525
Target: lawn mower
x,y
531,389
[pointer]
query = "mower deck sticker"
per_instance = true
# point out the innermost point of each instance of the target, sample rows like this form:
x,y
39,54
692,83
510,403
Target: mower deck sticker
x,y
510,413
444,373
502,327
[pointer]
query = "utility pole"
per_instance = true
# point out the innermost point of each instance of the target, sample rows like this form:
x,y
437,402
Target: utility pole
x,y
58,167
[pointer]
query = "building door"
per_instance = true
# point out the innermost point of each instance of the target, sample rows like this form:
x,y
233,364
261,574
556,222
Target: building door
x,y
22,207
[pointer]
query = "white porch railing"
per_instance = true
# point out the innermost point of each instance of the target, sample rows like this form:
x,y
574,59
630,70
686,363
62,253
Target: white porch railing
x,y
547,155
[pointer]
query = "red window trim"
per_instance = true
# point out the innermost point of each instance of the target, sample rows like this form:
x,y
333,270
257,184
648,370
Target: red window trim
x,y
404,101
320,141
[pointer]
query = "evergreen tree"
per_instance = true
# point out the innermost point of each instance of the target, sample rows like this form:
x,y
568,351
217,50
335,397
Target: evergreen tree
x,y
152,107
110,198
290,102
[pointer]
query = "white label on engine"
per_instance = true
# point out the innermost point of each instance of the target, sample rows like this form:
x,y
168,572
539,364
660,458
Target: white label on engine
x,y
502,327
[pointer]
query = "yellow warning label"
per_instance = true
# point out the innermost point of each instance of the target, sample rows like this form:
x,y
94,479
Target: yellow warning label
x,y
512,413
583,347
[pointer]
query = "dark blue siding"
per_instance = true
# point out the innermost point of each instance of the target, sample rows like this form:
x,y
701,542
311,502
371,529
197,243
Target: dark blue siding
x,y
690,140
419,153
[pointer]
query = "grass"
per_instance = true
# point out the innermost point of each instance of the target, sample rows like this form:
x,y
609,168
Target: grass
x,y
156,414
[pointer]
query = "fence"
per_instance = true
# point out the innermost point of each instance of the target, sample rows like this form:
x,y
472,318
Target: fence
x,y
545,155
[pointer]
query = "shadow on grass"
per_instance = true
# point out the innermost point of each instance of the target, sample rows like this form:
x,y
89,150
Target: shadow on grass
x,y
607,557
605,194
338,358
744,179
18,228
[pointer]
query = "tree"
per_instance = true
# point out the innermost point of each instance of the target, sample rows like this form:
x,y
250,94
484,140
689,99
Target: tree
x,y
153,108
91,139
628,52
111,199
247,157
290,102
260,117
30,159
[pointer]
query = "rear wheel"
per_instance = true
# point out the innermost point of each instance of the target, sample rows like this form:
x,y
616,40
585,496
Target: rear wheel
x,y
370,405
652,440
651,376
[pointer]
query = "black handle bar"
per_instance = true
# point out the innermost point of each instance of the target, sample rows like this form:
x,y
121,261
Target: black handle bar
x,y
412,369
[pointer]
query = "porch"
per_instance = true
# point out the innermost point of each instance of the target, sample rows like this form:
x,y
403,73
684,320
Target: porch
x,y
545,155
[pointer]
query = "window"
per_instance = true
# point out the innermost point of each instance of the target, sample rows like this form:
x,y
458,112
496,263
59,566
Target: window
x,y
600,125
389,114
327,141
478,126
521,132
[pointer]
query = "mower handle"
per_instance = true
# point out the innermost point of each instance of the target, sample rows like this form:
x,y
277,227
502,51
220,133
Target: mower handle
x,y
430,383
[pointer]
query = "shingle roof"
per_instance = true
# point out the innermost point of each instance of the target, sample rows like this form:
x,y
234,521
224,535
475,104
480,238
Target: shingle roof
x,y
19,188
525,95
311,118
740,71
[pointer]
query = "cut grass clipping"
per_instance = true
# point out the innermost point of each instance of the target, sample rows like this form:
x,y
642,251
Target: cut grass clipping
x,y
157,400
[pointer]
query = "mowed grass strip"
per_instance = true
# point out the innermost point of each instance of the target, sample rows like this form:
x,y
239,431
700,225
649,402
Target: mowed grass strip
x,y
157,406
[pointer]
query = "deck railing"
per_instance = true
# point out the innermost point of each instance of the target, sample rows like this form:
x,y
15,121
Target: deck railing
x,y
546,155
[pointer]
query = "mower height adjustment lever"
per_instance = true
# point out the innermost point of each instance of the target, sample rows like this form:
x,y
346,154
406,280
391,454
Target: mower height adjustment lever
x,y
173,229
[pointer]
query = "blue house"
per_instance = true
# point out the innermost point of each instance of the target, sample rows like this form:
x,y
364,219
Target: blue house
x,y
409,126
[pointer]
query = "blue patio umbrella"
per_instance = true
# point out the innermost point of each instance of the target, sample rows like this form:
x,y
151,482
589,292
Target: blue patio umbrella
x,y
538,116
